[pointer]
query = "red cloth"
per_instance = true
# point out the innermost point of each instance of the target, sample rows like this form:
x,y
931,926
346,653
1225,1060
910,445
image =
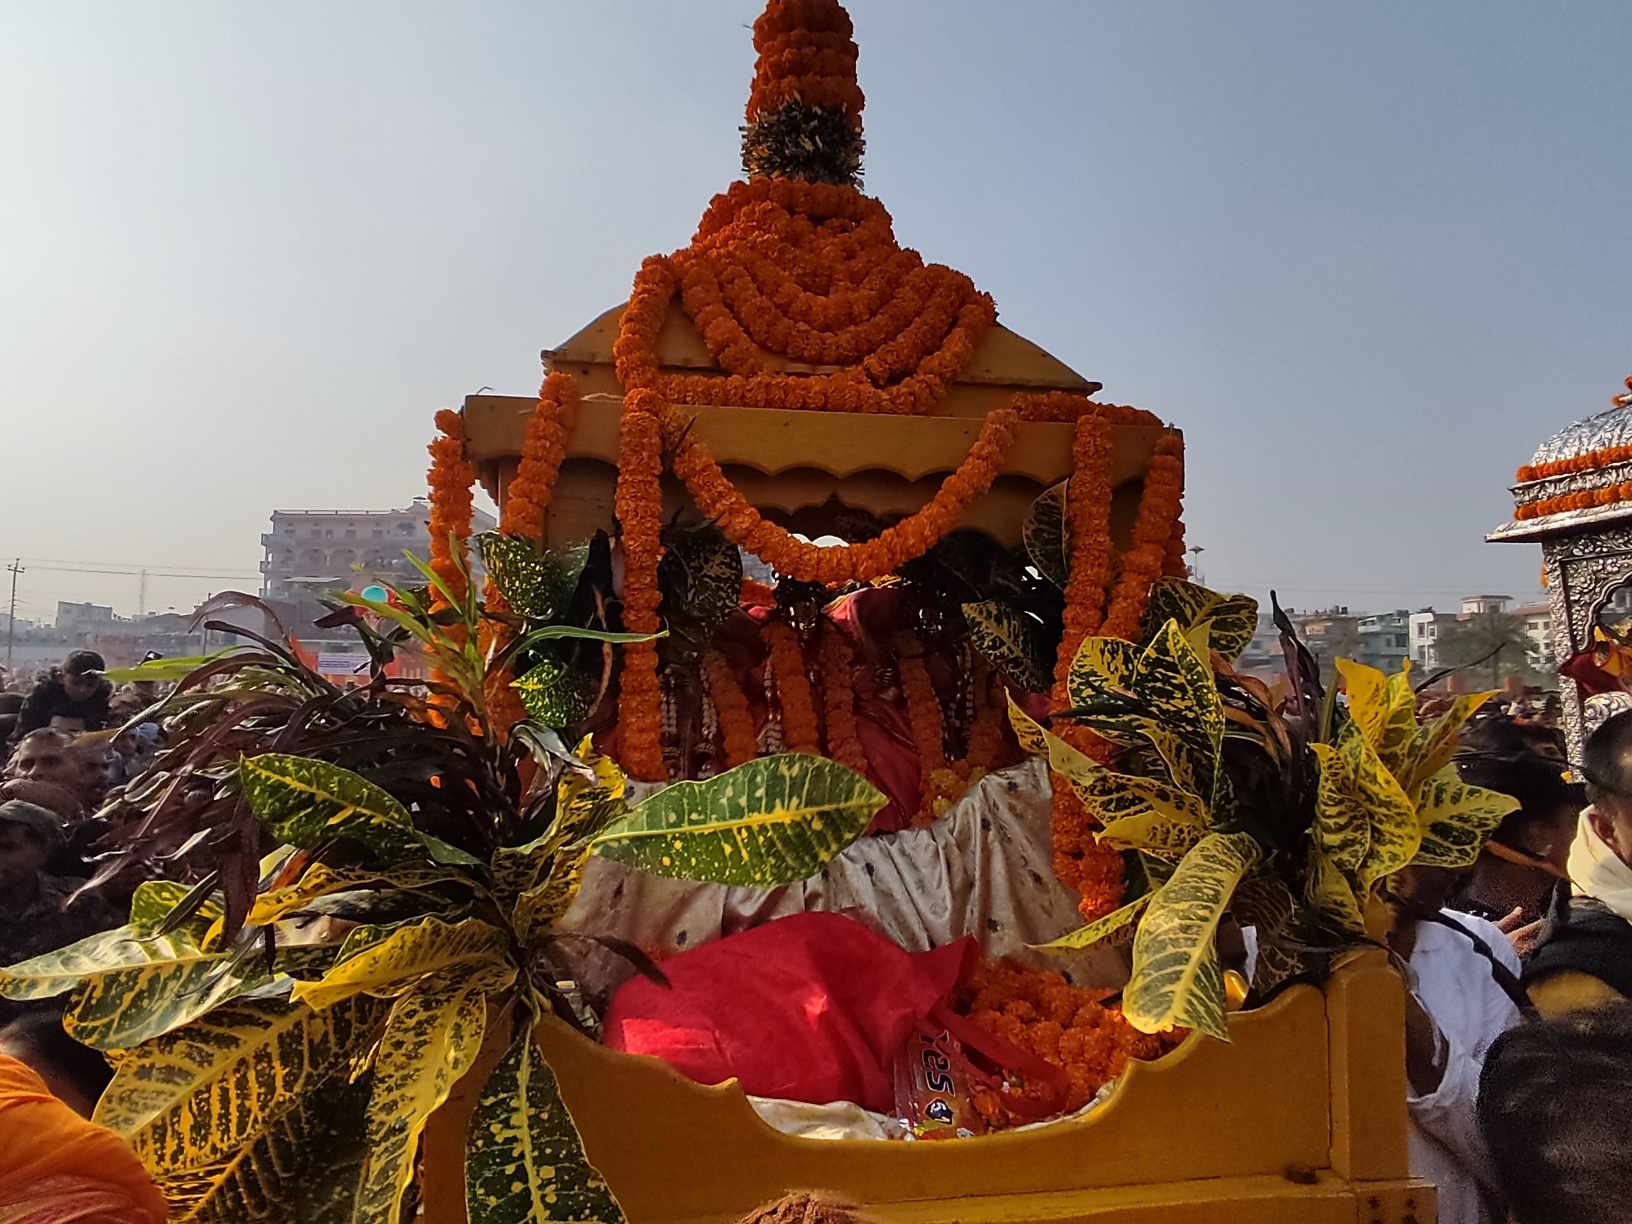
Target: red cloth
x,y
813,1007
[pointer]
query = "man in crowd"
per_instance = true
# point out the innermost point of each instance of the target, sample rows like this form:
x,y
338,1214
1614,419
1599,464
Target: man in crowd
x,y
36,917
73,697
1584,957
1555,1104
46,769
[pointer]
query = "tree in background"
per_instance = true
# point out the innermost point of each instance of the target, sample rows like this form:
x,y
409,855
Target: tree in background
x,y
1496,641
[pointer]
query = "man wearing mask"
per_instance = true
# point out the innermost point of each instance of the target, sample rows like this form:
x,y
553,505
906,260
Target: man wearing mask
x,y
74,697
1584,958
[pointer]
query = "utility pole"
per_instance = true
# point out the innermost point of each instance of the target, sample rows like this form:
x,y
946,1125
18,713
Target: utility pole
x,y
141,597
16,567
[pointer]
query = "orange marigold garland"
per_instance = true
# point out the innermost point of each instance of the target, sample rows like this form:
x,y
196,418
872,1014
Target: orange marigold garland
x,y
935,780
907,540
801,731
1609,495
739,738
542,450
1089,506
1067,1026
639,507
986,733
836,661
451,478
1160,504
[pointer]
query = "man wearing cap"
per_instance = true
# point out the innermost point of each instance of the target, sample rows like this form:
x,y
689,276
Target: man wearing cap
x,y
36,916
76,693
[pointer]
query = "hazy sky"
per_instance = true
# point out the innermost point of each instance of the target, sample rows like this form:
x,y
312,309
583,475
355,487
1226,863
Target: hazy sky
x,y
1367,255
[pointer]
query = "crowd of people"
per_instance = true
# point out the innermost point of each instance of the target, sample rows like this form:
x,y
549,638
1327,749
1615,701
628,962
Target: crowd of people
x,y
1518,970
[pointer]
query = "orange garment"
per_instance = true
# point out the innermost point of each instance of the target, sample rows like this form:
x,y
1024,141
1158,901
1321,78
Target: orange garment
x,y
55,1166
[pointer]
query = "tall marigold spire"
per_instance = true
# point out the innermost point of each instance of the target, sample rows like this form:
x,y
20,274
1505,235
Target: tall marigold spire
x,y
804,107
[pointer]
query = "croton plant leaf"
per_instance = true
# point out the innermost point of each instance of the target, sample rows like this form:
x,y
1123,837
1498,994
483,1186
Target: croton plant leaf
x,y
154,901
1102,666
536,584
1457,819
1265,903
320,881
1230,620
431,1038
587,799
768,822
1116,927
1385,709
1328,891
225,1111
1176,980
405,954
306,802
1434,745
1393,834
1010,641
1153,833
555,694
526,1161
1046,534
121,949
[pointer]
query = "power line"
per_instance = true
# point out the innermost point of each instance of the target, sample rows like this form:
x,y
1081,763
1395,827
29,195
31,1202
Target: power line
x,y
122,566
134,573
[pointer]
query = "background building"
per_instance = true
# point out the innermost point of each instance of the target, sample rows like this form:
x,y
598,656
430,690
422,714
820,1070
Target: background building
x,y
1384,639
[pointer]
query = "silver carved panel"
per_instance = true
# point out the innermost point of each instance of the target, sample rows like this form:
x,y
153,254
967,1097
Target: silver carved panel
x,y
1582,570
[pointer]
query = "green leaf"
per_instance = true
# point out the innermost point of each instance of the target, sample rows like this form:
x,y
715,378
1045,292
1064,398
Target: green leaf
x,y
1101,666
526,1161
1385,709
1341,830
1329,892
768,822
164,671
1046,534
121,949
1010,641
555,694
1175,685
430,1040
222,1106
535,584
306,802
1392,835
583,807
1152,833
320,880
1230,620
446,853
1113,925
409,952
1265,903
1457,819
153,902
1176,981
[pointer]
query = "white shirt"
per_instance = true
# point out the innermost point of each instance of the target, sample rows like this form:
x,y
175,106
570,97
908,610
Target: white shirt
x,y
1455,986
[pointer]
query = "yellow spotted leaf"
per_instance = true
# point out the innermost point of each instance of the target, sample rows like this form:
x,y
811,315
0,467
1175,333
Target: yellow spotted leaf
x,y
1341,831
1152,833
431,1038
1226,623
1114,927
769,822
1176,980
1328,891
1101,665
525,1161
1010,641
1392,833
407,953
155,900
306,802
583,807
1457,819
1434,745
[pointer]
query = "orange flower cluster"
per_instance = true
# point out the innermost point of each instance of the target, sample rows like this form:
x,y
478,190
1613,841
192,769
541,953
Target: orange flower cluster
x,y
739,738
451,477
639,507
1160,504
1088,503
1067,407
935,780
757,594
806,54
542,450
801,732
836,660
1064,1025
905,541
811,272
1609,495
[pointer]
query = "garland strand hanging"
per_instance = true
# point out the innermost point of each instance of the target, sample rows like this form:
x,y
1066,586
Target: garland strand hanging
x,y
1088,502
739,739
542,450
905,541
1160,505
836,661
801,731
639,507
928,730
